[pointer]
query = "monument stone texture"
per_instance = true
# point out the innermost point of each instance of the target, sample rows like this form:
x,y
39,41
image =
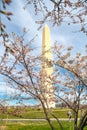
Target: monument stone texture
x,y
47,68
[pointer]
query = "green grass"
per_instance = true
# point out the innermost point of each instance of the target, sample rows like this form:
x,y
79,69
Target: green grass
x,y
34,113
36,125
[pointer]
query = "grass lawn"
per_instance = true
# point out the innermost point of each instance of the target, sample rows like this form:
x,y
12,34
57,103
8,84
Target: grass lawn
x,y
35,126
28,113
35,113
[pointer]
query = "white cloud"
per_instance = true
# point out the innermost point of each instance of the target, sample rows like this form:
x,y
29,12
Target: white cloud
x,y
61,39
22,17
7,89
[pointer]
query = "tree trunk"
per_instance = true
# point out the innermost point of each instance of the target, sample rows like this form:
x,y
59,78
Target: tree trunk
x,y
61,127
47,117
83,121
75,120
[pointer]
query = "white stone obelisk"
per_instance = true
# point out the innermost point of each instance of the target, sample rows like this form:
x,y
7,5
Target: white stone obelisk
x,y
47,68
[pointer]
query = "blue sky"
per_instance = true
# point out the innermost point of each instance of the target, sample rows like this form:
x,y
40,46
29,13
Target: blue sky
x,y
25,18
64,34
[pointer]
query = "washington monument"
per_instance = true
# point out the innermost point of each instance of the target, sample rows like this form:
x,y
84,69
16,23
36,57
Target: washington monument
x,y
47,69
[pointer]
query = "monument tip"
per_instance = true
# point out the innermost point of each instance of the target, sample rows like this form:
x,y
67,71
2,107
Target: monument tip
x,y
46,26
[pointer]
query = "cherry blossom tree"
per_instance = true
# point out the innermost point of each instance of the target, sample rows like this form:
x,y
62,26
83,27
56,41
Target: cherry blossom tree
x,y
71,81
3,11
56,12
23,69
61,11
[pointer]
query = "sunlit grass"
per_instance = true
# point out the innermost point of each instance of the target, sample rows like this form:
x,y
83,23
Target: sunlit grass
x,y
35,113
34,125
